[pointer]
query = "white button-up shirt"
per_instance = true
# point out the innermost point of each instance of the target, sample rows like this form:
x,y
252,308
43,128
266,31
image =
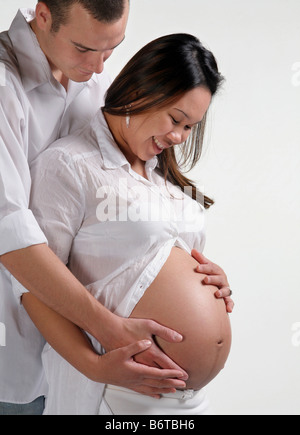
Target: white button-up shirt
x,y
115,230
35,110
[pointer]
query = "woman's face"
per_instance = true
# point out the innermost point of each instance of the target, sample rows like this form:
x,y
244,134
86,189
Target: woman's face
x,y
149,134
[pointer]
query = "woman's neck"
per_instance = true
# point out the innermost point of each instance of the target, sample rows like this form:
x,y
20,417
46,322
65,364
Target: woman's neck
x,y
117,124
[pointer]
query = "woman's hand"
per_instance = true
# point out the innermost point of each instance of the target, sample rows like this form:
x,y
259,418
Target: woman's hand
x,y
134,330
119,367
216,276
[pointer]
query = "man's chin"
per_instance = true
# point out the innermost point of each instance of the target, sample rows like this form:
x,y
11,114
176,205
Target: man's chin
x,y
80,77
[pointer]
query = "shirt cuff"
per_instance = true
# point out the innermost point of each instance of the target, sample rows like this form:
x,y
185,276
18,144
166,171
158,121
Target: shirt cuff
x,y
20,230
18,289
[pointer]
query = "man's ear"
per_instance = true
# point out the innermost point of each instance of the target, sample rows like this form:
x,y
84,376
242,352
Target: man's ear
x,y
43,17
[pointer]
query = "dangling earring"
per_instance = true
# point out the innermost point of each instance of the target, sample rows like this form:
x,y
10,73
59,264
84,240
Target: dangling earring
x,y
128,121
128,116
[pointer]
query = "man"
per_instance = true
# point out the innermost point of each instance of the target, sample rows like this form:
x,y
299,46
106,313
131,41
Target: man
x,y
51,90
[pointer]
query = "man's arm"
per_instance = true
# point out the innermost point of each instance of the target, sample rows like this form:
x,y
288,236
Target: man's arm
x,y
18,227
24,253
73,345
41,272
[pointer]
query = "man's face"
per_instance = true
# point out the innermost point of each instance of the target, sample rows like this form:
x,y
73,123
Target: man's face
x,y
80,48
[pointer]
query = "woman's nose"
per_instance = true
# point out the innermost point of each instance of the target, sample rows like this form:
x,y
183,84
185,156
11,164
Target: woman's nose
x,y
176,137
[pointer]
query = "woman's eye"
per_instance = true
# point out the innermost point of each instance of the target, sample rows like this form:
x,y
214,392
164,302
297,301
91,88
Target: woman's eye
x,y
174,121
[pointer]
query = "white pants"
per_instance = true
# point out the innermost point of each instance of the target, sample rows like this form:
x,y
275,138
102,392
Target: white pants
x,y
121,401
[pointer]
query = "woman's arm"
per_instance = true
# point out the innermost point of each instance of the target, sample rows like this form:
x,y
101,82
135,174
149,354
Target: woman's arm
x,y
41,272
58,203
73,345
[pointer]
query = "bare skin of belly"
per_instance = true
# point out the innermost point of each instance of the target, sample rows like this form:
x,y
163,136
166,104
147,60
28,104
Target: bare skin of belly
x,y
178,299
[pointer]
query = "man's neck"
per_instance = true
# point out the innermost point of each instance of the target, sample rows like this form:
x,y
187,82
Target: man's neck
x,y
57,74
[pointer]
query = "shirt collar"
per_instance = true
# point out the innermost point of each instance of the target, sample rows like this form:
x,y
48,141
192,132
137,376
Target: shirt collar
x,y
113,157
34,66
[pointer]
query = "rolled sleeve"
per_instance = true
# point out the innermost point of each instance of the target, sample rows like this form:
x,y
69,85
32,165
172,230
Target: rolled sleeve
x,y
20,230
18,289
18,226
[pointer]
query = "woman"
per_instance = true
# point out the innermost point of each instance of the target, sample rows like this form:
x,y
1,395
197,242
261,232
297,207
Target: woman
x,y
127,226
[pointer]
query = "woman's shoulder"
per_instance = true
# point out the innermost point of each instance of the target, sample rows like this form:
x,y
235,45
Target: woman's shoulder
x,y
72,150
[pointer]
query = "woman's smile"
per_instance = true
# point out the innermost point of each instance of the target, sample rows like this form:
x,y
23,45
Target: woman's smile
x,y
158,147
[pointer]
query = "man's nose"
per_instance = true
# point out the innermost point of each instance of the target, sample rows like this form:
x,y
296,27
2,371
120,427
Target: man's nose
x,y
96,62
101,59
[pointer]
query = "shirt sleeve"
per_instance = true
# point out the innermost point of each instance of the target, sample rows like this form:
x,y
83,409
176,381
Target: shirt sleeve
x,y
57,203
57,200
18,227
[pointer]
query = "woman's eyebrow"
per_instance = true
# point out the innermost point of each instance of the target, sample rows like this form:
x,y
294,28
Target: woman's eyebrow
x,y
181,111
187,116
77,44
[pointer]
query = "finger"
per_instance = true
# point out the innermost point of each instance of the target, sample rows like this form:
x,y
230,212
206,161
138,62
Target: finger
x,y
228,302
216,280
162,375
161,361
210,269
223,292
199,257
146,360
229,305
155,393
155,357
160,386
135,348
164,333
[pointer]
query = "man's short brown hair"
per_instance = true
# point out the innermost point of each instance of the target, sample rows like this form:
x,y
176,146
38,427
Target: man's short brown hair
x,y
107,11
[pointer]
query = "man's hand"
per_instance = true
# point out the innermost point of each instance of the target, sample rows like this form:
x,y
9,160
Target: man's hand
x,y
145,380
216,276
133,330
117,367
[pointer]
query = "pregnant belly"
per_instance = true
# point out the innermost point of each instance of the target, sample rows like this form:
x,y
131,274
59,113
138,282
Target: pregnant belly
x,y
177,299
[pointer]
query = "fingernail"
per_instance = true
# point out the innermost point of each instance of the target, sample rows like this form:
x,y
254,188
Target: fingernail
x,y
148,343
184,377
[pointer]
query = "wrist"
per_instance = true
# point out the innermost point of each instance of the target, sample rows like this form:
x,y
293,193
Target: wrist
x,y
93,369
108,329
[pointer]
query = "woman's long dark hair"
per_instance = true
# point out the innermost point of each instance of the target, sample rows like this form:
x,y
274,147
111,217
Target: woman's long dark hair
x,y
158,75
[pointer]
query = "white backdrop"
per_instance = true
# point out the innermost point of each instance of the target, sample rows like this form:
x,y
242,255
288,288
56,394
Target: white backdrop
x,y
251,167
